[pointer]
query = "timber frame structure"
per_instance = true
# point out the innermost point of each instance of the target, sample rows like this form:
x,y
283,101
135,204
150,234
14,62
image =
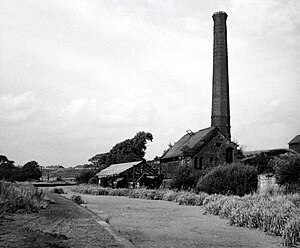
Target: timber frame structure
x,y
129,175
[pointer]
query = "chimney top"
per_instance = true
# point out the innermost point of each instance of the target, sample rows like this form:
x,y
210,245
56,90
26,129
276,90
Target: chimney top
x,y
220,13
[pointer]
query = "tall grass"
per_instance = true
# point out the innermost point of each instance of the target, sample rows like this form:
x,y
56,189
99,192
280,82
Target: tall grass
x,y
276,215
181,197
19,197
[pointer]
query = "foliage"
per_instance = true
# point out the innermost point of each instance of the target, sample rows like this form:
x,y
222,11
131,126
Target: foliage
x,y
7,169
31,170
16,197
93,180
100,161
236,179
287,168
58,191
185,178
273,215
126,151
85,176
9,172
77,199
261,160
182,197
278,215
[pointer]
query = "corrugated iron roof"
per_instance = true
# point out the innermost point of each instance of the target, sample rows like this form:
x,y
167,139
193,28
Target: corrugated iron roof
x,y
295,140
116,169
190,140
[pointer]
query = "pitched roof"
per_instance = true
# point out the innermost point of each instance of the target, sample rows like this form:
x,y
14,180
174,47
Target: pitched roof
x,y
295,140
190,140
116,169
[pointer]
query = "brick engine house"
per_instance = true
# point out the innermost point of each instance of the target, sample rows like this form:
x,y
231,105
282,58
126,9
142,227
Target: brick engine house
x,y
210,146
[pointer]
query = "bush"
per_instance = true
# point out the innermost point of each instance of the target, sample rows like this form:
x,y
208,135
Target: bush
x,y
184,179
235,179
85,176
287,168
58,191
77,199
93,180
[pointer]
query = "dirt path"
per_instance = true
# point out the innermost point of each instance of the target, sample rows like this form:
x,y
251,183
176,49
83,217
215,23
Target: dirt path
x,y
149,223
61,225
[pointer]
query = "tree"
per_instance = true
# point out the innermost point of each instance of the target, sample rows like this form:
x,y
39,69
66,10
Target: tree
x,y
128,150
8,170
31,170
287,167
85,176
99,160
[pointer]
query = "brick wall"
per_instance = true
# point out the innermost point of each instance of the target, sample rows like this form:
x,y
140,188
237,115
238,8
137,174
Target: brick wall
x,y
213,154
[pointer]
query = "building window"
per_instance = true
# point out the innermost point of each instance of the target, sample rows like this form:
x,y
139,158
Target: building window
x,y
200,163
196,162
218,144
229,155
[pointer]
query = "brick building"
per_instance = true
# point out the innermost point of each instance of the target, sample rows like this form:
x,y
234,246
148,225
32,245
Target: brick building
x,y
210,146
206,148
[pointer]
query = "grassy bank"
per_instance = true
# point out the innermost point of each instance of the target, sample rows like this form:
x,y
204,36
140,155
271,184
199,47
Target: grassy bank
x,y
19,198
275,215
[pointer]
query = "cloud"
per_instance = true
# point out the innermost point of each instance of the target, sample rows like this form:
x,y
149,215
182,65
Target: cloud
x,y
18,108
114,113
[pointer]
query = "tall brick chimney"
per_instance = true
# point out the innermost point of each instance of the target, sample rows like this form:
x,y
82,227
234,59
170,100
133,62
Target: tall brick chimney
x,y
220,114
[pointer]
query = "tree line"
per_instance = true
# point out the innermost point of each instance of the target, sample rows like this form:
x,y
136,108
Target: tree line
x,y
9,172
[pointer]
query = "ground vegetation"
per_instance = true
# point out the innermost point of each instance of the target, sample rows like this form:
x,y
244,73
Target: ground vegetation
x,y
275,215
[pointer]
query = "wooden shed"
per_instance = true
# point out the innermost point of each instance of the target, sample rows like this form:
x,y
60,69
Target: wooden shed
x,y
129,175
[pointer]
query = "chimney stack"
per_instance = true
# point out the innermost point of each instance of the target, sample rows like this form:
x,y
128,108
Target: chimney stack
x,y
220,115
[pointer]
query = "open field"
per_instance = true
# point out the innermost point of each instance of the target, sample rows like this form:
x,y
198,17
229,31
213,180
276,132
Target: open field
x,y
167,224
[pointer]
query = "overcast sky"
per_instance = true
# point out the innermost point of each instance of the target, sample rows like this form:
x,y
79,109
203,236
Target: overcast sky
x,y
79,76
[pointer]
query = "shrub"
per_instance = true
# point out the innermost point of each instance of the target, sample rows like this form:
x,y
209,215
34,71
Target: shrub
x,y
184,179
85,176
58,191
189,198
236,179
77,199
93,180
287,168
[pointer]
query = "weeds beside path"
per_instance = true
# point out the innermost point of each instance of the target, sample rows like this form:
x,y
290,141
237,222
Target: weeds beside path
x,y
277,215
154,224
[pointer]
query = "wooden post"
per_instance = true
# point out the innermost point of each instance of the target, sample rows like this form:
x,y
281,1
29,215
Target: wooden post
x,y
127,178
133,177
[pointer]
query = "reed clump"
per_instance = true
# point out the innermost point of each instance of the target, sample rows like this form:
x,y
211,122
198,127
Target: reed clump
x,y
20,198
